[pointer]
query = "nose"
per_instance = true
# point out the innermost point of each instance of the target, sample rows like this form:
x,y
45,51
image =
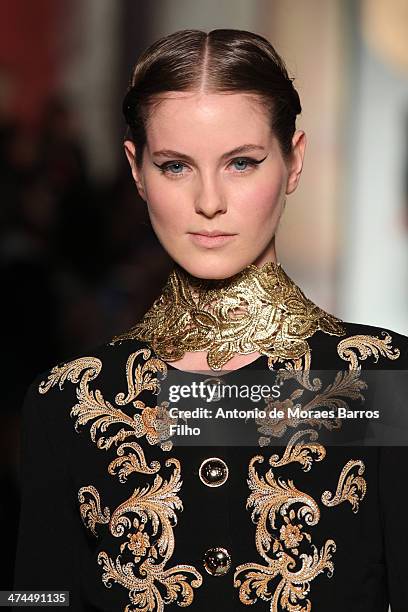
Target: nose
x,y
210,199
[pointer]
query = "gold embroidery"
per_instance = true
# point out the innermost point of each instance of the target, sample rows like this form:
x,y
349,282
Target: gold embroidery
x,y
346,384
276,426
293,587
92,405
271,499
257,309
91,511
367,346
299,369
302,453
291,534
140,378
143,592
270,496
281,549
149,535
154,505
139,543
352,489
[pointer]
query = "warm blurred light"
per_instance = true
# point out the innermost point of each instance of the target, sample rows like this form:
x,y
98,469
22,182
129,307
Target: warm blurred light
x,y
385,29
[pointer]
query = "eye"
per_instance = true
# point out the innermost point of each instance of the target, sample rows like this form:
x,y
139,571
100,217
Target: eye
x,y
165,168
175,168
243,162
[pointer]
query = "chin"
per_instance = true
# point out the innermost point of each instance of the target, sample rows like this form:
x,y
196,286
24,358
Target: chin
x,y
213,268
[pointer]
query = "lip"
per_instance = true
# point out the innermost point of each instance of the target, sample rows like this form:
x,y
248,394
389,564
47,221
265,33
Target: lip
x,y
211,239
213,232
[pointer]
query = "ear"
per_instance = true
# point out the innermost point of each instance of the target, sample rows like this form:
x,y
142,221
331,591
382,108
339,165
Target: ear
x,y
130,151
296,160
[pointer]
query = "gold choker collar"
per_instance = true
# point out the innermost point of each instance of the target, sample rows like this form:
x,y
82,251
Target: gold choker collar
x,y
257,309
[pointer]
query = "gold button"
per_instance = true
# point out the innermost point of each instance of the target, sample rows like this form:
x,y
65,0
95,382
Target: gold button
x,y
213,472
217,561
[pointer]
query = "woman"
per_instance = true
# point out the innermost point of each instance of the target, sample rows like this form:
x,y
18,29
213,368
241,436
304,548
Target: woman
x,y
119,506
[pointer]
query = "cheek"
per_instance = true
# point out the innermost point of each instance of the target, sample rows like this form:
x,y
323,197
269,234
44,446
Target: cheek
x,y
163,203
261,204
166,209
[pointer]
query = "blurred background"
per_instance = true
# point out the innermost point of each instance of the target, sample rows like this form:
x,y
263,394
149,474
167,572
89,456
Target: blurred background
x,y
78,258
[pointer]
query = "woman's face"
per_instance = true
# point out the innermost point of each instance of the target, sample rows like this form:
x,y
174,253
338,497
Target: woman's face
x,y
212,164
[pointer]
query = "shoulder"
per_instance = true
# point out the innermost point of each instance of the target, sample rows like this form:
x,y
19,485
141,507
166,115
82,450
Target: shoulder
x,y
363,344
382,336
378,344
110,367
95,390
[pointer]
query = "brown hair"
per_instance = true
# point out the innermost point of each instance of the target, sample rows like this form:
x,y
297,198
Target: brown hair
x,y
223,60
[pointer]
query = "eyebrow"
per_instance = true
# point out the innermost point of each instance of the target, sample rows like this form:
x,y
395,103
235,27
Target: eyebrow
x,y
246,148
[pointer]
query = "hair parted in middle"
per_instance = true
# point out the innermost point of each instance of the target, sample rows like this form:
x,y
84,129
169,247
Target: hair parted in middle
x,y
220,61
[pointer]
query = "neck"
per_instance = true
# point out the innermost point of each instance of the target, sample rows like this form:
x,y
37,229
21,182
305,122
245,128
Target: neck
x,y
259,309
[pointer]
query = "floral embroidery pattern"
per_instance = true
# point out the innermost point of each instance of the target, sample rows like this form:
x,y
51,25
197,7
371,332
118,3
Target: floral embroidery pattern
x,y
361,346
91,512
346,384
139,543
148,517
271,498
350,487
291,534
145,521
295,451
279,544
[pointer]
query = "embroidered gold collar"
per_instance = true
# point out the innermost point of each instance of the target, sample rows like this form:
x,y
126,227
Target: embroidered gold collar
x,y
258,309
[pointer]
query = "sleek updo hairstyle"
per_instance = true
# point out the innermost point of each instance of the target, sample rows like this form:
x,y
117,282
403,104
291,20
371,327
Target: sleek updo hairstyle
x,y
220,61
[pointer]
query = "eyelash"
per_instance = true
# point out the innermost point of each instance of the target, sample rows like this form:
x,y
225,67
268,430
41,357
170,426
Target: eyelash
x,y
164,167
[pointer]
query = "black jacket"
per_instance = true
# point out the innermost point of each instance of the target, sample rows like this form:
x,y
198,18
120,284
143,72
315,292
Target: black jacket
x,y
124,524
